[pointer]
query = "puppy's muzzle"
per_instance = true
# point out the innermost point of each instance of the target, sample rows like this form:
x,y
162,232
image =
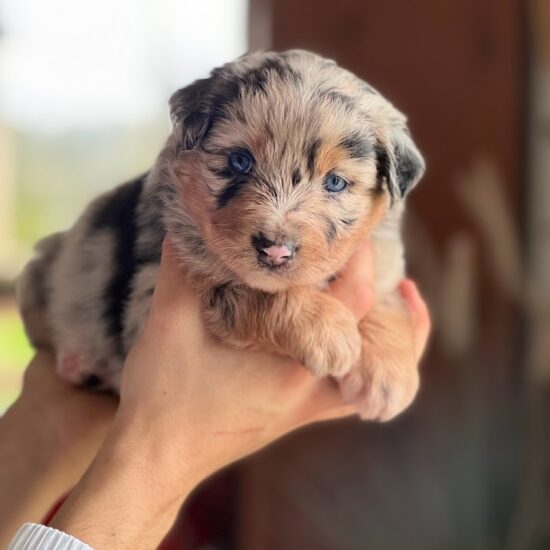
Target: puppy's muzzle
x,y
273,254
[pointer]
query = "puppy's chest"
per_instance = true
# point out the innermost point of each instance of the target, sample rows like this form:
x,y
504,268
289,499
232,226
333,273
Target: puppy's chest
x,y
389,265
389,251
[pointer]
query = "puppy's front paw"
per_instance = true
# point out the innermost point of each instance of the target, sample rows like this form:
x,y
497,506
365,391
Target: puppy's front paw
x,y
331,344
386,380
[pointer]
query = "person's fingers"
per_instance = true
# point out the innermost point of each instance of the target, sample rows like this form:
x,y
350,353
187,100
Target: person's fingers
x,y
326,401
354,287
171,273
420,315
175,302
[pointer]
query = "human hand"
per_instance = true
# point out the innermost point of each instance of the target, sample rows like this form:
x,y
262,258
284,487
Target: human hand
x,y
48,438
191,405
223,403
218,402
72,418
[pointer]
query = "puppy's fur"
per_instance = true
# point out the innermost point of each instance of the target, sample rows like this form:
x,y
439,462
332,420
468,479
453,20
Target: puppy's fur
x,y
301,118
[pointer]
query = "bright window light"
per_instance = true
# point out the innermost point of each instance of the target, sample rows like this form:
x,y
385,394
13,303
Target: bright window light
x,y
68,64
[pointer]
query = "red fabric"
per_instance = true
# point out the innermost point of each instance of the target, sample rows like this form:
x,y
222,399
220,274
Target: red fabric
x,y
49,516
208,518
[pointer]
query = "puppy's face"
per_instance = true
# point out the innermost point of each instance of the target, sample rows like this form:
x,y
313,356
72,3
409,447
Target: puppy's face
x,y
285,162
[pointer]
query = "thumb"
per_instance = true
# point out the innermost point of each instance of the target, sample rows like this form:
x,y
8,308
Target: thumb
x,y
355,285
174,298
171,278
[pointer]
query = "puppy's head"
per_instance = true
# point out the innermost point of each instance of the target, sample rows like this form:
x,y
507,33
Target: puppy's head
x,y
285,162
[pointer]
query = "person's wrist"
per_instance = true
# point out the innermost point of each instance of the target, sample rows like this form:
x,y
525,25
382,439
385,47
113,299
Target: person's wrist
x,y
133,489
168,447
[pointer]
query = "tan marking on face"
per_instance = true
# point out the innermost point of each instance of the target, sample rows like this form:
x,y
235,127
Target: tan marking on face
x,y
189,172
277,129
328,158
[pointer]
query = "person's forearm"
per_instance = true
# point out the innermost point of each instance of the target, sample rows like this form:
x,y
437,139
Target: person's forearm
x,y
131,494
32,474
48,438
26,485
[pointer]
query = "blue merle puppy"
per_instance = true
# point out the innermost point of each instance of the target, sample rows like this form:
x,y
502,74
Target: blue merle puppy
x,y
278,165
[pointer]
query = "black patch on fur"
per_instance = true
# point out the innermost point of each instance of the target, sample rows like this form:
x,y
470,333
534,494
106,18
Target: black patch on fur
x,y
151,255
311,155
339,98
92,381
356,146
260,241
200,106
382,168
232,189
296,176
226,93
257,79
216,295
118,215
208,105
234,183
407,172
283,69
220,300
225,172
348,221
220,100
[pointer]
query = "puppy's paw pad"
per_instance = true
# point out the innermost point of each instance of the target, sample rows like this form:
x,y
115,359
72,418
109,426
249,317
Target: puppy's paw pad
x,y
69,367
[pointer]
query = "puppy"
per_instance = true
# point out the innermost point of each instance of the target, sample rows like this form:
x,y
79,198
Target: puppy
x,y
278,166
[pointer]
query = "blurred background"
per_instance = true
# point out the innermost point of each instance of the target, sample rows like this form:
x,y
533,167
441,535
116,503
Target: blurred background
x,y
83,94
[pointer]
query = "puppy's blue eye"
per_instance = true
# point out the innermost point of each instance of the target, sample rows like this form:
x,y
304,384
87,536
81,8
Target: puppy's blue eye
x,y
241,161
335,184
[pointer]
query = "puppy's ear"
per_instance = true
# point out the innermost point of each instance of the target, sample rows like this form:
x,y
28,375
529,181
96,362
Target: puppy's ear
x,y
400,165
190,112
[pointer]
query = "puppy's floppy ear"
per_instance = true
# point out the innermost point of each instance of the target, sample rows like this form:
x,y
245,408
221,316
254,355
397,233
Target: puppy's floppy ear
x,y
190,112
400,164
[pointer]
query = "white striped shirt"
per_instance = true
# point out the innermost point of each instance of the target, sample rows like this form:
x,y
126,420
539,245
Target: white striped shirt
x,y
32,536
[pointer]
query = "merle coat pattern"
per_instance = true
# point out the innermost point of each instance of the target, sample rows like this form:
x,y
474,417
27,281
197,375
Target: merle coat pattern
x,y
278,165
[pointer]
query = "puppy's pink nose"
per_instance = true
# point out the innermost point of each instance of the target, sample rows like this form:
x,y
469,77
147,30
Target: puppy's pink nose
x,y
272,253
277,254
